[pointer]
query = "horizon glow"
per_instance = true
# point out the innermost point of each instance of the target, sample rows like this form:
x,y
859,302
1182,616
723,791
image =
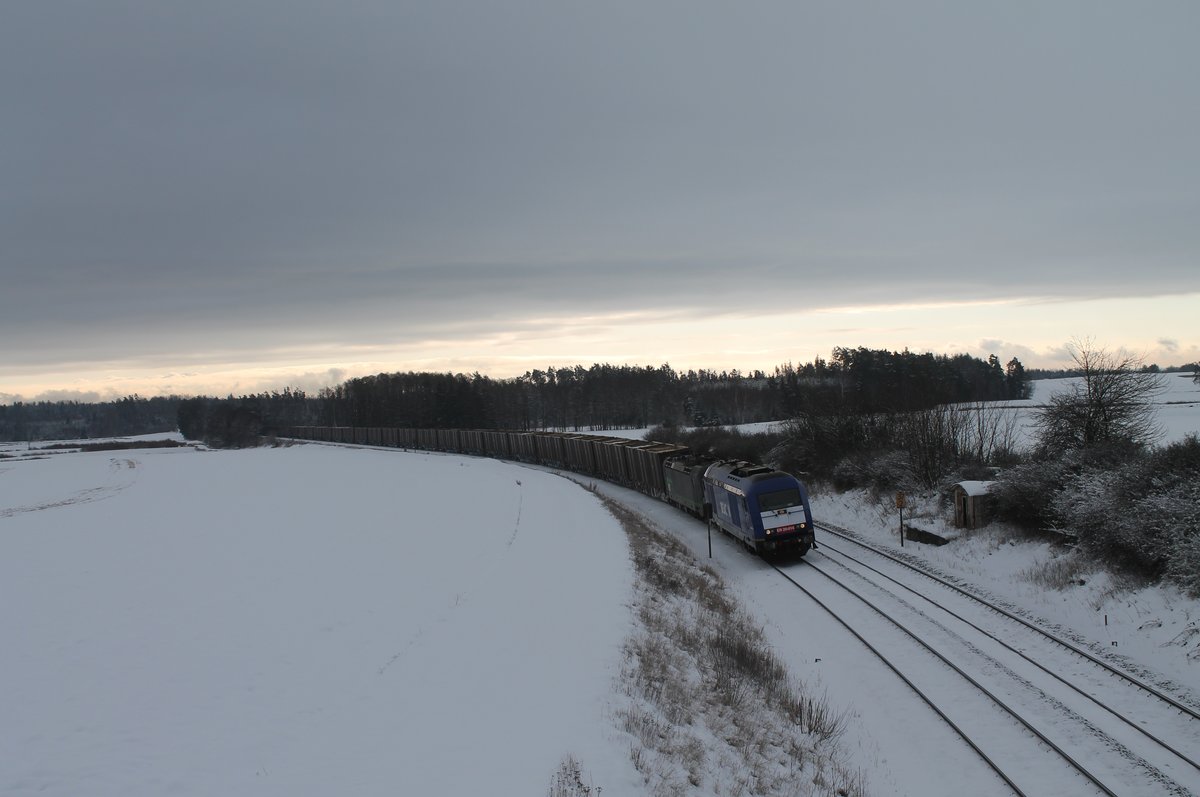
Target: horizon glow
x,y
1163,330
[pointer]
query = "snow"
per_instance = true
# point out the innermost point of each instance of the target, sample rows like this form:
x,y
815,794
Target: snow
x,y
322,619
305,620
1177,406
624,434
1138,624
901,746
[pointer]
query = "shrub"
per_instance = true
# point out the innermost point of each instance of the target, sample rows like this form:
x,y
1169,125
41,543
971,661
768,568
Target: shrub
x,y
1022,494
1184,565
1057,573
1138,512
569,781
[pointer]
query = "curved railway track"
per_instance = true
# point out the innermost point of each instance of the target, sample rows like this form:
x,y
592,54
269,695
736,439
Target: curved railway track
x,y
1138,726
1133,681
1079,728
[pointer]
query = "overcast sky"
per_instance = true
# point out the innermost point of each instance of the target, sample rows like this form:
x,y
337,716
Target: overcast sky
x,y
229,196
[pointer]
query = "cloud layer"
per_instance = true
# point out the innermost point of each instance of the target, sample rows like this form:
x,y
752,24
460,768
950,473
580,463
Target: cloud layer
x,y
228,178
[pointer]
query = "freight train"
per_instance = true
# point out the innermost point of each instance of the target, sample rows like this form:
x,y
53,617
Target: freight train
x,y
765,509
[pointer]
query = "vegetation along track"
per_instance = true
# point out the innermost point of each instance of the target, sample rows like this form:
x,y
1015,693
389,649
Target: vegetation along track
x,y
1063,716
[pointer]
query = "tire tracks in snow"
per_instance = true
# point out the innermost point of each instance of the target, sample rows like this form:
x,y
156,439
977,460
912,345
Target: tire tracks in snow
x,y
116,485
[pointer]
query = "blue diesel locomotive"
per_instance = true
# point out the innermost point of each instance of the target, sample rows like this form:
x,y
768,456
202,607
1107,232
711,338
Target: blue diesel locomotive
x,y
764,508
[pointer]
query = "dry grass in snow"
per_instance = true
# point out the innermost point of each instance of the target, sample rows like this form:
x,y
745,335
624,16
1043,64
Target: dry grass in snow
x,y
711,709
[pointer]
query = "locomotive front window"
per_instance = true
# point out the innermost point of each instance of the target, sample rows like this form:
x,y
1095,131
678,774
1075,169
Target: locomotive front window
x,y
780,499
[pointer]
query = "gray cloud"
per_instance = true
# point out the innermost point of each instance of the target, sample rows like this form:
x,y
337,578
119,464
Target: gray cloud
x,y
186,316
227,176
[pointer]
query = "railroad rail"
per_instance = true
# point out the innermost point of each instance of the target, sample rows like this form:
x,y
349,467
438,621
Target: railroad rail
x,y
1152,737
1138,683
1155,778
908,682
1135,725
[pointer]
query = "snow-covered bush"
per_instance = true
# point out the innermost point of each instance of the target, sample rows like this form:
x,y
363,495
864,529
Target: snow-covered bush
x,y
1135,510
1092,506
1163,491
1184,565
1022,494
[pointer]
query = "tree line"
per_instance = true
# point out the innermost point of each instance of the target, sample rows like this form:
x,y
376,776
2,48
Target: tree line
x,y
618,396
75,420
599,397
623,396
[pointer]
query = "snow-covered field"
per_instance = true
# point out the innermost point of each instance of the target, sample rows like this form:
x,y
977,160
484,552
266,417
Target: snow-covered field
x,y
322,619
1177,405
306,620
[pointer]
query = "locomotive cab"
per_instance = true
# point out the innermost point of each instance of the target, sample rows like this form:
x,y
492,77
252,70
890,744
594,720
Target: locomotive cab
x,y
766,509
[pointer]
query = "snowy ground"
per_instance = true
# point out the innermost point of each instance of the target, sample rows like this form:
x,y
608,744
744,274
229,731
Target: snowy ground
x,y
1177,405
306,620
1156,628
297,621
1153,630
902,748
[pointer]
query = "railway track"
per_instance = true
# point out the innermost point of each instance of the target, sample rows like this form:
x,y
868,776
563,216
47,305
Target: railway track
x,y
1132,680
1049,694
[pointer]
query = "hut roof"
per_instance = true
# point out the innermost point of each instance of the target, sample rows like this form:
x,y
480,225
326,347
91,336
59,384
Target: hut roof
x,y
974,488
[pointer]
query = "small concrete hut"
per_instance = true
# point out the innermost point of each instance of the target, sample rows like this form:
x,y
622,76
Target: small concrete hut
x,y
972,504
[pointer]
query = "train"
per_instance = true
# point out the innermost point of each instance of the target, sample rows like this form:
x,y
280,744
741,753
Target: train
x,y
765,509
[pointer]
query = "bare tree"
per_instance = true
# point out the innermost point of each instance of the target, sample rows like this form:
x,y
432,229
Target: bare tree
x,y
988,431
931,440
1113,402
